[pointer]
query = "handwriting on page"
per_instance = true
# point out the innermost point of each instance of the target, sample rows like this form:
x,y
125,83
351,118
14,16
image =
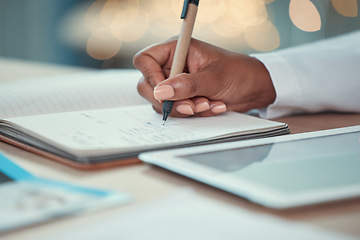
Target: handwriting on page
x,y
130,128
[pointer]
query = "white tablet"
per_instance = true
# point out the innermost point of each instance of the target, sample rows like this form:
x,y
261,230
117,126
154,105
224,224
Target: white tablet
x,y
278,172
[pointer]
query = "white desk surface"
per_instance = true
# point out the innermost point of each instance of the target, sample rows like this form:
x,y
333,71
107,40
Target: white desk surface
x,y
145,182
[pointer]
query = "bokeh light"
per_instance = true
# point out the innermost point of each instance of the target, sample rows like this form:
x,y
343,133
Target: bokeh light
x,y
248,12
211,10
236,24
102,44
134,20
226,27
164,18
263,37
347,8
304,15
137,24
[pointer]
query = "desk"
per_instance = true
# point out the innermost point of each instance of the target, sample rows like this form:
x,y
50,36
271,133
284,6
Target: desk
x,y
145,182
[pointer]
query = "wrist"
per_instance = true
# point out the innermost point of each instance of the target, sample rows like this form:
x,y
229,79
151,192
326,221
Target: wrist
x,y
265,94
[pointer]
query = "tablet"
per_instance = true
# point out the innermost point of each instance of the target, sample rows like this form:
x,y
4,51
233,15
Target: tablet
x,y
278,172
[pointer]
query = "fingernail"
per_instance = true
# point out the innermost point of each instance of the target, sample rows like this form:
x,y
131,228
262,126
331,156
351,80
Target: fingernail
x,y
184,109
218,108
202,106
163,92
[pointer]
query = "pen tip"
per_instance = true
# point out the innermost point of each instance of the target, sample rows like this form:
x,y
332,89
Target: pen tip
x,y
164,122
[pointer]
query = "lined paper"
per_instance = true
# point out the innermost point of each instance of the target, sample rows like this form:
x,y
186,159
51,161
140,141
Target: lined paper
x,y
90,133
84,91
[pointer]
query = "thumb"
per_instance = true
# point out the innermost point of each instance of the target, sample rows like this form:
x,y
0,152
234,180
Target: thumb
x,y
184,86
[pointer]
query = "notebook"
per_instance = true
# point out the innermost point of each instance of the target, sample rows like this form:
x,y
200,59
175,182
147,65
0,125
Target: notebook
x,y
97,119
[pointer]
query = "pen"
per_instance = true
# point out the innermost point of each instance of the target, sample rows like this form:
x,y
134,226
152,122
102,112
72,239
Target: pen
x,y
182,46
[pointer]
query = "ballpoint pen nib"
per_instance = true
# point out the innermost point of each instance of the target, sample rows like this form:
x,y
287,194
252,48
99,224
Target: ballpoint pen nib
x,y
164,122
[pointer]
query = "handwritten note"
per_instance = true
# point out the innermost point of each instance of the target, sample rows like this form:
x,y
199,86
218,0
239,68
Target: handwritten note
x,y
129,128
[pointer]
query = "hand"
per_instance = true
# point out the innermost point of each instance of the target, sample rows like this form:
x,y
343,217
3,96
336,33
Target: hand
x,y
214,80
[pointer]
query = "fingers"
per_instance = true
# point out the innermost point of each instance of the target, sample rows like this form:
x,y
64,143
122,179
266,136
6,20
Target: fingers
x,y
190,91
184,108
216,107
154,62
185,86
146,91
197,106
181,108
202,104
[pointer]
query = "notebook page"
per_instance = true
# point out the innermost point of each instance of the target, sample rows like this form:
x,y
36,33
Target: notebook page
x,y
91,90
92,133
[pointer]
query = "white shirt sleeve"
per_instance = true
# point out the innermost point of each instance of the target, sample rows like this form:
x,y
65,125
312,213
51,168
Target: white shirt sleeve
x,y
320,76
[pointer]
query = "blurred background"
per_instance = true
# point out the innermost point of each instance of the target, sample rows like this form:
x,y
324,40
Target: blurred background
x,y
107,33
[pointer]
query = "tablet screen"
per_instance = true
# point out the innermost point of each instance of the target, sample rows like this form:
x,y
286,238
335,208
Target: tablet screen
x,y
292,166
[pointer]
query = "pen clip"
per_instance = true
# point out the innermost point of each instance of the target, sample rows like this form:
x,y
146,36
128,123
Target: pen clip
x,y
186,6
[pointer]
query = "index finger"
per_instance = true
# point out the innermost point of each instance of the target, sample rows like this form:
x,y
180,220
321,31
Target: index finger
x,y
154,60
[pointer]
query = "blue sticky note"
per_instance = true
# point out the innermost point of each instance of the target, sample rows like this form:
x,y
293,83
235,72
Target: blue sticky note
x,y
45,199
12,170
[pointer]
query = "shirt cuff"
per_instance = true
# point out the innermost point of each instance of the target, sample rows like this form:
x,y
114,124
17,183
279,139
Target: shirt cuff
x,y
288,93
